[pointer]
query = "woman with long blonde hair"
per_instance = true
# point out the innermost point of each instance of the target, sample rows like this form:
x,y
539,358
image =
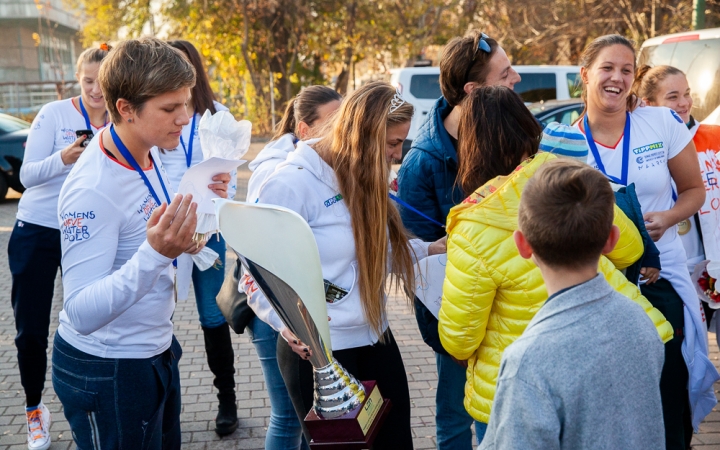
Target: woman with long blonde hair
x,y
342,192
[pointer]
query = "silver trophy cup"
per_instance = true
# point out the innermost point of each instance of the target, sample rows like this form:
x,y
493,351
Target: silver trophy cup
x,y
277,248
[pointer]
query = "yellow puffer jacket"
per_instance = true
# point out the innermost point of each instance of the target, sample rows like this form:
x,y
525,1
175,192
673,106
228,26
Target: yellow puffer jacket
x,y
491,292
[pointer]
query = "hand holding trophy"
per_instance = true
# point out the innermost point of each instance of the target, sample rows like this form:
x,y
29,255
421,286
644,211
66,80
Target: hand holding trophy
x,y
277,248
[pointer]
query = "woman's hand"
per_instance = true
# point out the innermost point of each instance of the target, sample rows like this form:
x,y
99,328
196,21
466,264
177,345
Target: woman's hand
x,y
171,227
220,189
438,247
657,223
649,274
296,344
72,152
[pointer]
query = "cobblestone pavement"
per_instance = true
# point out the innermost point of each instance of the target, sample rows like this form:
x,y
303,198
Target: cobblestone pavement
x,y
199,401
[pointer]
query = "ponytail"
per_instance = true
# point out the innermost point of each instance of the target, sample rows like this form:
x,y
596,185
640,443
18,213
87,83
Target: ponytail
x,y
287,124
648,79
304,108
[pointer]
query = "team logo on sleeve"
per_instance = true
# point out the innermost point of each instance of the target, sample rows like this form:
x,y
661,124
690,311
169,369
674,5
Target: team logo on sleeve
x,y
675,115
75,225
147,206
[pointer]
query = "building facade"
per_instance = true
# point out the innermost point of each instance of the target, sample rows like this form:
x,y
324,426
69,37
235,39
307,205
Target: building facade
x,y
40,45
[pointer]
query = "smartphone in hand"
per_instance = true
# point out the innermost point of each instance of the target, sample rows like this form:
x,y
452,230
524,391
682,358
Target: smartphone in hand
x,y
88,133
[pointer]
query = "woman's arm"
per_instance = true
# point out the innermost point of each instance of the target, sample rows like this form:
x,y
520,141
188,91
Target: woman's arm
x,y
90,231
40,164
259,303
468,295
685,171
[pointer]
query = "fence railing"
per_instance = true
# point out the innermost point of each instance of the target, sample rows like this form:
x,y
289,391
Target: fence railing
x,y
24,97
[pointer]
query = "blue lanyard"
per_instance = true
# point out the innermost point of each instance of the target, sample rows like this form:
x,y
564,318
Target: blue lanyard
x,y
625,155
134,164
188,149
415,210
86,116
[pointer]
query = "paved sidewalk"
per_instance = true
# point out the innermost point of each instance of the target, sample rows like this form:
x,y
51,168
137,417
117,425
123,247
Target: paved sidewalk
x,y
199,401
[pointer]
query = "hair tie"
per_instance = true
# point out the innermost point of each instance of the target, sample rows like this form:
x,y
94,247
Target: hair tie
x,y
396,102
104,46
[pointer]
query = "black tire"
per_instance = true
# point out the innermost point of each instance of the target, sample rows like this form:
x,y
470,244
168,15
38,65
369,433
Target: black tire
x,y
14,180
3,186
16,185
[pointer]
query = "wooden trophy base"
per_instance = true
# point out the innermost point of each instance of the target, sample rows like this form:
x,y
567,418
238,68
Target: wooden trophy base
x,y
354,431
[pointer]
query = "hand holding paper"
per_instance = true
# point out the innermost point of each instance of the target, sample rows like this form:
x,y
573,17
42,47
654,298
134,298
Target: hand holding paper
x,y
224,141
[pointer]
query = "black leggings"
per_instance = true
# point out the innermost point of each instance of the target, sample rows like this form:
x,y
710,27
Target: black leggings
x,y
380,362
674,377
34,254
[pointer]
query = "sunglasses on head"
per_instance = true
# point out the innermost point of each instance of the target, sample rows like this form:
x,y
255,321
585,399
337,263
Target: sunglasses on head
x,y
481,45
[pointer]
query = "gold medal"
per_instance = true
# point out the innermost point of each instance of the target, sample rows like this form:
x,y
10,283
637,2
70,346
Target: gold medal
x,y
684,227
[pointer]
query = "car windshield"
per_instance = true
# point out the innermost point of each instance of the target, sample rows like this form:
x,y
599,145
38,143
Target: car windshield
x,y
700,60
425,86
8,124
536,87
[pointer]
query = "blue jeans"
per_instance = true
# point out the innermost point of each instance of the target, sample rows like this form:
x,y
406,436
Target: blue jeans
x,y
284,431
119,403
452,421
480,430
207,284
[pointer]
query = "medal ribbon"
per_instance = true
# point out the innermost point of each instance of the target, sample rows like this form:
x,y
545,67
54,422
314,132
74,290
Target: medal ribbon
x,y
415,210
134,164
188,149
626,151
87,117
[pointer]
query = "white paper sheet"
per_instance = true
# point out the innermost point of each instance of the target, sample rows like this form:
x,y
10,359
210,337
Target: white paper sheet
x,y
429,279
198,177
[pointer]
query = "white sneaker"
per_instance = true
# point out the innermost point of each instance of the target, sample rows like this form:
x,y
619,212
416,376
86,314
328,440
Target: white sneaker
x,y
38,426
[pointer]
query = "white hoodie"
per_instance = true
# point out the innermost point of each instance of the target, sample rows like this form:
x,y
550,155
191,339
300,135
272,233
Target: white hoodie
x,y
265,163
308,186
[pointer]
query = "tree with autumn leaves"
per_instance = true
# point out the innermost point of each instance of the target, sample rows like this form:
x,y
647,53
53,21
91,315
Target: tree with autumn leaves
x,y
303,42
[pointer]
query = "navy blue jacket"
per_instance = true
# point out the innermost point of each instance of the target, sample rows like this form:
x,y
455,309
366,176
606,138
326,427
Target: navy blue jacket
x,y
427,182
627,201
427,176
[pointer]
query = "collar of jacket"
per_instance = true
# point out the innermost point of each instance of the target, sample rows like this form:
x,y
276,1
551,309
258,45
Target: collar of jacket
x,y
578,295
436,140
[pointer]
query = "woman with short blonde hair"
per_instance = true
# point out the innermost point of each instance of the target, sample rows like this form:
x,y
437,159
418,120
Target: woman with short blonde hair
x,y
115,359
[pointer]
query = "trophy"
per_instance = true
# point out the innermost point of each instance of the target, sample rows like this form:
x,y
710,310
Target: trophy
x,y
277,248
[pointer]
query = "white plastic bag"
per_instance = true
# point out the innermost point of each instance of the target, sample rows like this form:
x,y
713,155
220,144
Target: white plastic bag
x,y
224,140
205,258
224,137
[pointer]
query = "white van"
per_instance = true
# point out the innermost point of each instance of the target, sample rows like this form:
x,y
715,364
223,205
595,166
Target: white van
x,y
697,53
420,86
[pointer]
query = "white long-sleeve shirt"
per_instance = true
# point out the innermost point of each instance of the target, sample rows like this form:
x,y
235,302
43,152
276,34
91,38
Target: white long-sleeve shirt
x,y
305,184
43,171
118,291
